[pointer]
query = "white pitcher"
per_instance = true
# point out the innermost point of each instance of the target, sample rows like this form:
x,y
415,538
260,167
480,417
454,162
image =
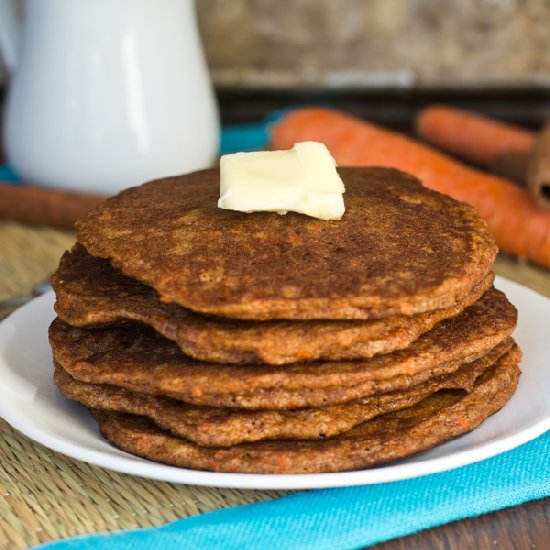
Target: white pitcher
x,y
106,94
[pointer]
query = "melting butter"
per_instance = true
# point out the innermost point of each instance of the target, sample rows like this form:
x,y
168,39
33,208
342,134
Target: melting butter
x,y
302,179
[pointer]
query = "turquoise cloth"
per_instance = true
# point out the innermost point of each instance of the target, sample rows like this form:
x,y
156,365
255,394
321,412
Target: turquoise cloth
x,y
243,137
351,517
251,136
7,174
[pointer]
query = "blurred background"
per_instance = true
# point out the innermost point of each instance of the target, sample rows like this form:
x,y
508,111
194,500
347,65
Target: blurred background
x,y
403,43
488,55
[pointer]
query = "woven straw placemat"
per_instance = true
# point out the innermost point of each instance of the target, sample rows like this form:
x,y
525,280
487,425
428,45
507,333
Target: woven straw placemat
x,y
45,495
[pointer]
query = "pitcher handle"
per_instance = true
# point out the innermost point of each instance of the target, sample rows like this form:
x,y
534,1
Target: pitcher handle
x,y
9,34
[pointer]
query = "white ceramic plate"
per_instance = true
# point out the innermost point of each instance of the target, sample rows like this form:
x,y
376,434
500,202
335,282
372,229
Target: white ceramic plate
x,y
30,403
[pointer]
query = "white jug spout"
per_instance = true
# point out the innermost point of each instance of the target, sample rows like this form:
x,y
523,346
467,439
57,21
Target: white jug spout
x,y
9,34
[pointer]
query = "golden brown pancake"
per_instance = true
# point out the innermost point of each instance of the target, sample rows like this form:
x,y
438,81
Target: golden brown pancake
x,y
90,293
442,416
218,427
139,359
400,249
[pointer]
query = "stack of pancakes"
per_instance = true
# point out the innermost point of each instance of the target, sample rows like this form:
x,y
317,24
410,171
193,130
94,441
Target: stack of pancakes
x,y
225,341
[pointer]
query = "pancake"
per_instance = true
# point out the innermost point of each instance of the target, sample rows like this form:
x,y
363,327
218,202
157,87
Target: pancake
x,y
277,399
225,427
400,249
440,417
90,293
139,359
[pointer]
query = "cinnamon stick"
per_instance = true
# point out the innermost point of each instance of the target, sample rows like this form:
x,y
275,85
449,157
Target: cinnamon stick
x,y
39,205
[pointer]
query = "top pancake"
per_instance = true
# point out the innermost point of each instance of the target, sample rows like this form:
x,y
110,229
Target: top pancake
x,y
400,249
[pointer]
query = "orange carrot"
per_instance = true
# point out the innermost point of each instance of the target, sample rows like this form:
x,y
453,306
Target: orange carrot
x,y
463,422
471,136
518,226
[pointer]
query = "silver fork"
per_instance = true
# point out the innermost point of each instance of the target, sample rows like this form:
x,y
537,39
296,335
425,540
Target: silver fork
x,y
11,304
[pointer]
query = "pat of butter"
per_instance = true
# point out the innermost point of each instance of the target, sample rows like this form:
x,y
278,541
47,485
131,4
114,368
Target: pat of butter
x,y
302,179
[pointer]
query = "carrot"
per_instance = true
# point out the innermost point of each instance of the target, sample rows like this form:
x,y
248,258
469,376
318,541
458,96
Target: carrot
x,y
471,136
463,422
519,227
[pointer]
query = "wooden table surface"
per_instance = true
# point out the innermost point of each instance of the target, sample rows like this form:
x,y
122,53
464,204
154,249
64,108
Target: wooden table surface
x,y
45,495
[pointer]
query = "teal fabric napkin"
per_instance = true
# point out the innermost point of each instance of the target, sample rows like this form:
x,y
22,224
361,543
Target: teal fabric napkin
x,y
351,517
7,174
250,136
